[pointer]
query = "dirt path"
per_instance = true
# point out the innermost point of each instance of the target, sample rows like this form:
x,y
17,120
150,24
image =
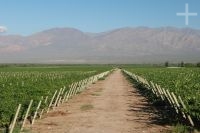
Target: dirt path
x,y
109,106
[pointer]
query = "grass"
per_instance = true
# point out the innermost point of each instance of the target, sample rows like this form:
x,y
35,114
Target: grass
x,y
103,78
95,94
25,131
86,107
179,128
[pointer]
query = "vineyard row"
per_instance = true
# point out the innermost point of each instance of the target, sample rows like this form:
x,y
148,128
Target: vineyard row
x,y
164,95
60,96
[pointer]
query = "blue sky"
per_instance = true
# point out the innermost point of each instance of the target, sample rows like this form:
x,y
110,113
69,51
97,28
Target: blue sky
x,y
29,16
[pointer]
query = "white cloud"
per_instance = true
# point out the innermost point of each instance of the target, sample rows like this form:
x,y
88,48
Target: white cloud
x,y
3,29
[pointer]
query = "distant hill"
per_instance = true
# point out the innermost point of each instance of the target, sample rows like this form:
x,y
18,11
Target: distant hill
x,y
125,45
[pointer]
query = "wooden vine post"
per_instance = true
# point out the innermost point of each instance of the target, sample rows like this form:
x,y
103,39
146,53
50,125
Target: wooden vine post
x,y
184,107
57,98
26,115
61,96
36,111
176,103
68,94
51,101
15,119
65,95
45,101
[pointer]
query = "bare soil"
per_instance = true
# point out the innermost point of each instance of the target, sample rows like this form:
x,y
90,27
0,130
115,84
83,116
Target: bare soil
x,y
112,105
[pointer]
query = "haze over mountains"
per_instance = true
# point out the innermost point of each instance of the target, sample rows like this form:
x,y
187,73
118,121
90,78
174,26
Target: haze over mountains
x,y
125,45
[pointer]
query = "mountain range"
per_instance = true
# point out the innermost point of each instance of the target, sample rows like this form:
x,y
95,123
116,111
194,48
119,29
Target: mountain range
x,y
124,45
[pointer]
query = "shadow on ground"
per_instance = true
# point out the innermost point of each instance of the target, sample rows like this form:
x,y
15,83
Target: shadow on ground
x,y
151,110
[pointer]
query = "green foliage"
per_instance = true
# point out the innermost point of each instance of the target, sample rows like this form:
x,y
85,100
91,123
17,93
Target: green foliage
x,y
103,78
182,81
179,128
21,84
86,107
